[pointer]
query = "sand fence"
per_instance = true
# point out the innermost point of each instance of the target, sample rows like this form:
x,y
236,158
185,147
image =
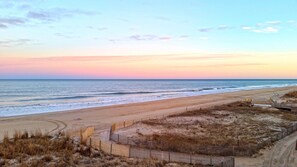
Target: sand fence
x,y
121,146
126,150
236,150
135,152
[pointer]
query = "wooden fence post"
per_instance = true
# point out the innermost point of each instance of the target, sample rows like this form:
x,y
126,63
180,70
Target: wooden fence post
x,y
81,137
110,148
129,151
90,142
150,149
233,150
233,162
210,161
110,132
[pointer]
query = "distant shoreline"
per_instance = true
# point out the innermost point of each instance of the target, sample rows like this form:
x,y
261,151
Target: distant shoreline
x,y
215,91
173,79
153,101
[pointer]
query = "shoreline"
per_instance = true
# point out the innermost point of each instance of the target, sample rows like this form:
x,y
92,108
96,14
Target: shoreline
x,y
131,103
103,117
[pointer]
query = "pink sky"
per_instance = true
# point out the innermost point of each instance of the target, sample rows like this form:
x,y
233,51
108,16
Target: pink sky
x,y
192,65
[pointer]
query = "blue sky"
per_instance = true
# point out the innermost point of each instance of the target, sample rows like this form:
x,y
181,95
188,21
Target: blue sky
x,y
117,27
57,28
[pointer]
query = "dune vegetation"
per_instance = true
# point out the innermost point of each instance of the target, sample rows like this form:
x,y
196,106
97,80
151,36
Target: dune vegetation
x,y
292,94
37,149
237,128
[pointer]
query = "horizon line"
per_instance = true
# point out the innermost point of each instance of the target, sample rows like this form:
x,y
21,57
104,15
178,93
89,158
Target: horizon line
x,y
149,79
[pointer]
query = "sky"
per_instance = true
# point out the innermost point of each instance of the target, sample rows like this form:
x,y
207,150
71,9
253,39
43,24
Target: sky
x,y
143,39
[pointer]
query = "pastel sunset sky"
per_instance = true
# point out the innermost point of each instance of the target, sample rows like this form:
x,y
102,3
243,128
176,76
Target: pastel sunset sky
x,y
143,39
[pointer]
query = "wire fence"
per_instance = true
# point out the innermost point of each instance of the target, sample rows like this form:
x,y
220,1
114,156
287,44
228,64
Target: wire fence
x,y
231,150
136,152
124,146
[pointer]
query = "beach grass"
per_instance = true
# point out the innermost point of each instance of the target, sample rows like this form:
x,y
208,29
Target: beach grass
x,y
216,130
292,94
40,149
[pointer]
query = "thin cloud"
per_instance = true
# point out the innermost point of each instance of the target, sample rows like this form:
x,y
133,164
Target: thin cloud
x,y
207,56
162,18
98,28
41,16
165,38
2,26
247,28
184,36
90,59
224,27
205,29
264,27
12,43
273,22
57,14
265,30
63,35
143,37
10,21
150,37
219,28
272,26
24,7
222,65
238,65
178,56
5,5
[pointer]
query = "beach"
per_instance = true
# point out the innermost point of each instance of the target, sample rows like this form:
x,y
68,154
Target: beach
x,y
102,117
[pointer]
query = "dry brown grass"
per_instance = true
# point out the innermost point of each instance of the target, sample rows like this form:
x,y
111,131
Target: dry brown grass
x,y
291,95
241,107
36,144
38,149
214,138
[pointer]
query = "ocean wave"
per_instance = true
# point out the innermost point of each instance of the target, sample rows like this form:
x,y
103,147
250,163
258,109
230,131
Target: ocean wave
x,y
56,98
152,92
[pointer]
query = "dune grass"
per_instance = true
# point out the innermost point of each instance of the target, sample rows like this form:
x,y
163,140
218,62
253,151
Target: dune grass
x,y
249,129
292,94
39,149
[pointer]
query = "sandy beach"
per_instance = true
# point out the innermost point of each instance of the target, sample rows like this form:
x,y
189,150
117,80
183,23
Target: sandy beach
x,y
103,117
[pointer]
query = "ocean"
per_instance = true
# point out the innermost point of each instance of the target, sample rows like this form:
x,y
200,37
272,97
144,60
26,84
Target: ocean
x,y
23,97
